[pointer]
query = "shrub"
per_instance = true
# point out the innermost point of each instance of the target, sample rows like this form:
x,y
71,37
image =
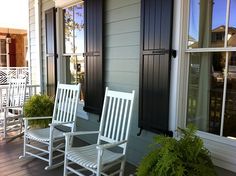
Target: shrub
x,y
171,157
39,106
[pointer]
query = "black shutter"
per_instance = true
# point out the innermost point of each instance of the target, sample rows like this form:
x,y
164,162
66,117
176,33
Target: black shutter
x,y
156,29
51,56
12,53
93,56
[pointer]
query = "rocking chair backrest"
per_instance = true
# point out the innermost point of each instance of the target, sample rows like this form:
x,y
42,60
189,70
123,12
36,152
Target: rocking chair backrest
x,y
2,101
116,117
66,102
16,92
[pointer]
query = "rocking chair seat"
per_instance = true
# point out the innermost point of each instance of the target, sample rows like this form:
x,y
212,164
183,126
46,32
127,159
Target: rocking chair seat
x,y
43,135
87,156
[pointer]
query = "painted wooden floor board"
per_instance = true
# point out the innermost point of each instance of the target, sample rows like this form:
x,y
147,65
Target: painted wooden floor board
x,y
11,165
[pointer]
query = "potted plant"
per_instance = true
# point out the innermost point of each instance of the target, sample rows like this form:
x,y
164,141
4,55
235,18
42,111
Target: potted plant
x,y
185,156
39,106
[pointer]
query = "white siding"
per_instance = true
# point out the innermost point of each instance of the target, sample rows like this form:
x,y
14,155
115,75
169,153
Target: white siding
x,y
34,60
32,50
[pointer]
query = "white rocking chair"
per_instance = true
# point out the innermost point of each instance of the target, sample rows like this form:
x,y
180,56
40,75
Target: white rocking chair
x,y
50,141
12,108
113,133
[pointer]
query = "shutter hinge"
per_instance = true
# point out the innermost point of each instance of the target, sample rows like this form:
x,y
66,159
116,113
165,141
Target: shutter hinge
x,y
95,53
160,52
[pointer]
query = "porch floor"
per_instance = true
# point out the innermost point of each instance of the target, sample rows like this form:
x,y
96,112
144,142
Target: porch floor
x,y
10,165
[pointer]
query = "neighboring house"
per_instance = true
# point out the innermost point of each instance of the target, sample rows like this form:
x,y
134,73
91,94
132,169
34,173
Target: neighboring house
x,y
134,44
13,47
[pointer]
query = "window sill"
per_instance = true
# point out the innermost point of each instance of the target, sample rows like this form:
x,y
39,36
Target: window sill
x,y
223,150
80,111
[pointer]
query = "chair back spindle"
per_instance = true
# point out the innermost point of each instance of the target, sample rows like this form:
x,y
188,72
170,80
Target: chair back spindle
x,y
66,99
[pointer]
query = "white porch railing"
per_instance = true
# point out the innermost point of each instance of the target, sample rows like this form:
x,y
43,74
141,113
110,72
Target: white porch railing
x,y
7,73
30,90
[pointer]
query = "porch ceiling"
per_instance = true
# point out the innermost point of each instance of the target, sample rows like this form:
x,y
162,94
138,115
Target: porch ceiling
x,y
14,14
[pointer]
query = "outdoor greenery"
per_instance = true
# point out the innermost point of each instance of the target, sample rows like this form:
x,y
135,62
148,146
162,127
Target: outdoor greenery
x,y
186,156
39,106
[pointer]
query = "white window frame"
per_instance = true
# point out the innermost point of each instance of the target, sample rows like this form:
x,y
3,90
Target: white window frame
x,y
60,42
223,150
7,51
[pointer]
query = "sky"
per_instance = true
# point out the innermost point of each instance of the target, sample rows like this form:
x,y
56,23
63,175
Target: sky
x,y
14,14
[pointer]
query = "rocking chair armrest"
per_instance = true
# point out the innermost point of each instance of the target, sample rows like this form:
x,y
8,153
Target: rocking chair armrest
x,y
67,135
110,145
58,124
37,118
12,107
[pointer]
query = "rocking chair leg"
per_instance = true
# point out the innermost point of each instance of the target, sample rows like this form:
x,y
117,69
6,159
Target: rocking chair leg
x,y
21,126
65,165
4,128
122,168
50,155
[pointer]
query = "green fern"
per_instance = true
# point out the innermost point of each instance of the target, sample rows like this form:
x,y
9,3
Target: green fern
x,y
171,157
39,106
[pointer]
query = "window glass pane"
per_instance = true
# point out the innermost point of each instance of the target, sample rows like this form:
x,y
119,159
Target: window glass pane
x,y
3,60
230,107
206,23
205,91
68,30
232,24
74,45
75,71
218,23
3,46
193,35
79,28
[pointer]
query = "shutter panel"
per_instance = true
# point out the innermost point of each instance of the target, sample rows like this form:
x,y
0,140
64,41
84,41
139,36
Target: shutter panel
x,y
156,29
12,53
93,56
51,56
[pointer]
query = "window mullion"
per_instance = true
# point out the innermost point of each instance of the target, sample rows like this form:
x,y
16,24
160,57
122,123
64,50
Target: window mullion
x,y
227,23
203,50
73,29
224,94
226,69
187,62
